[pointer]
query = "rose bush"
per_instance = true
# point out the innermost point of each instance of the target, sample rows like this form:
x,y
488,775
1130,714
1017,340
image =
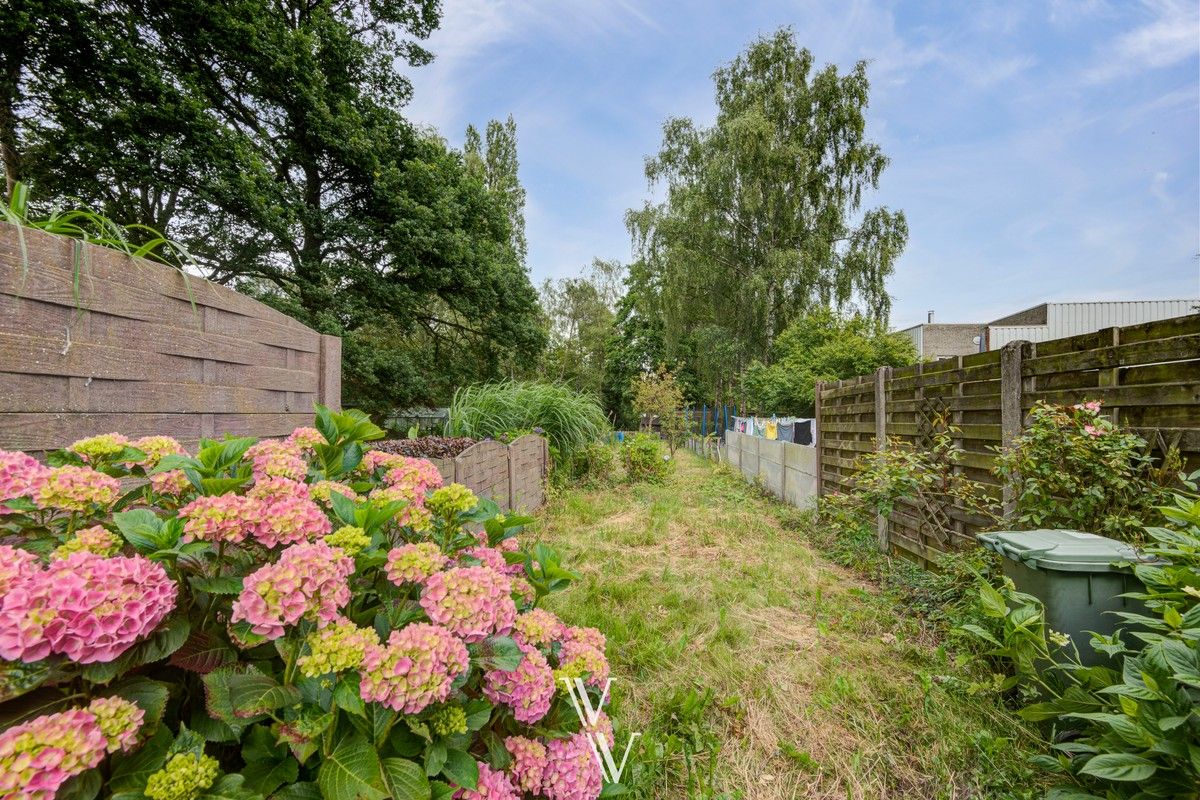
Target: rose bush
x,y
294,619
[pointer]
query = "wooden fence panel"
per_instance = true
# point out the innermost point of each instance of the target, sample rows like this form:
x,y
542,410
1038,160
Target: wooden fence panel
x,y
1148,377
528,458
483,468
93,341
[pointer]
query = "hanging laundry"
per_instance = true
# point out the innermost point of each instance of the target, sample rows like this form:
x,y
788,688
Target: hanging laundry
x,y
772,429
786,430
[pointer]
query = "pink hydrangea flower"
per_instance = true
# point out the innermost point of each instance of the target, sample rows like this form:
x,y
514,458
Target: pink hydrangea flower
x,y
493,785
306,438
537,627
414,515
308,581
38,757
77,489
221,518
523,591
589,636
16,565
85,607
91,540
1092,430
171,483
529,761
577,659
413,563
473,602
21,475
374,459
602,726
415,669
288,515
417,474
273,458
571,771
489,557
119,720
528,690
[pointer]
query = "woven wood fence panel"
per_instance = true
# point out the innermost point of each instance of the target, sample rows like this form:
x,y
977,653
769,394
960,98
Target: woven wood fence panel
x,y
1147,375
93,341
528,460
483,468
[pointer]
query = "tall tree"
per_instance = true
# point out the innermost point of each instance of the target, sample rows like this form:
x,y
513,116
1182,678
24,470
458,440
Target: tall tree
x,y
763,216
579,315
268,136
496,163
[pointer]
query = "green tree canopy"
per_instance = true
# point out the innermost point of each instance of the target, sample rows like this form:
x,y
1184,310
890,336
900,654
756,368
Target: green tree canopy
x,y
821,346
763,214
268,137
580,314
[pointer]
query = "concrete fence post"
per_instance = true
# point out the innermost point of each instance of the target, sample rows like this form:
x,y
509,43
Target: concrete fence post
x,y
329,370
1011,417
818,427
881,378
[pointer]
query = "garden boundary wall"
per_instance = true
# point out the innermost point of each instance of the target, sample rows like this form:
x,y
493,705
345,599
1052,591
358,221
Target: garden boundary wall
x,y
1147,376
785,469
94,341
513,475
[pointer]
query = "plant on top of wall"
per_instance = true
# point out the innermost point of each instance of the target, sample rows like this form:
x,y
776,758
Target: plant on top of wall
x,y
293,618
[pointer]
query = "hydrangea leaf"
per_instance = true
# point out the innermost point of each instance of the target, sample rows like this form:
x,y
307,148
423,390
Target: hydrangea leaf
x,y
352,771
461,768
149,695
405,780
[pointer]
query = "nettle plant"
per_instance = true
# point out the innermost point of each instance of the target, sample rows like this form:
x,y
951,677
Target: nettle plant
x,y
1073,468
297,618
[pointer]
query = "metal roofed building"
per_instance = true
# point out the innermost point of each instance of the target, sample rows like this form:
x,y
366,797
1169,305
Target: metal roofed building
x,y
1058,320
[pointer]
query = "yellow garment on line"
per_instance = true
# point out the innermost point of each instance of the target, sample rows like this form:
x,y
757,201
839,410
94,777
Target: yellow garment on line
x,y
772,429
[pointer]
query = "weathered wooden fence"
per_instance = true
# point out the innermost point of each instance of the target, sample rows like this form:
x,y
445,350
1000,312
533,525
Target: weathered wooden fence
x,y
93,341
1148,377
514,475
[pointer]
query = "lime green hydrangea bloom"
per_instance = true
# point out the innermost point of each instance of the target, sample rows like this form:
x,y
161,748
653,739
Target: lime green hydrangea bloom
x,y
351,539
336,648
184,777
93,447
451,500
90,540
448,720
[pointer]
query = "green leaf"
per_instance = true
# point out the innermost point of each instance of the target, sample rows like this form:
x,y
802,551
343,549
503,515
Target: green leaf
x,y
479,712
142,529
440,790
461,768
298,791
614,790
221,584
264,777
84,786
501,653
346,696
405,780
351,771
1119,767
253,693
344,507
149,695
218,698
130,772
229,787
435,758
203,652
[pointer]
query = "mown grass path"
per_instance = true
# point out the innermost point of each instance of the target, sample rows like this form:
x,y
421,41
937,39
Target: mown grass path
x,y
754,667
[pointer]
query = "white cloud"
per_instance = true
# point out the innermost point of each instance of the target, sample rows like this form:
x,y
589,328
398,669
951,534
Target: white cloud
x,y
1171,36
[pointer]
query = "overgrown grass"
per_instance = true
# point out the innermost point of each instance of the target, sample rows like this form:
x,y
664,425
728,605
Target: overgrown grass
x,y
757,669
571,420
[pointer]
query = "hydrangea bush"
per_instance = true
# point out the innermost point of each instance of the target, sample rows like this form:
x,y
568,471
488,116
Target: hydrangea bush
x,y
295,619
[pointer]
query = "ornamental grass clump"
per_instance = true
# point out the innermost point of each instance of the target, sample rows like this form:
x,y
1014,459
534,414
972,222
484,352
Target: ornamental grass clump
x,y
293,618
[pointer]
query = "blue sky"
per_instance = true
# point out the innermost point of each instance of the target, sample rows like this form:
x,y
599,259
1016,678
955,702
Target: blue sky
x,y
1041,150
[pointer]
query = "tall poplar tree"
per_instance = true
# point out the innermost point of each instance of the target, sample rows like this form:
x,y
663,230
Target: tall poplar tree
x,y
494,160
763,215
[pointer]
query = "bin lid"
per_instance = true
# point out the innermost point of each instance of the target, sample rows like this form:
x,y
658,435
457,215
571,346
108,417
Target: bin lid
x,y
1069,551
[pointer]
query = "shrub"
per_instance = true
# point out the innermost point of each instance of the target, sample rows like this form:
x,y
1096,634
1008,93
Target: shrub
x,y
658,395
594,465
1075,469
1128,729
291,618
644,460
569,419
